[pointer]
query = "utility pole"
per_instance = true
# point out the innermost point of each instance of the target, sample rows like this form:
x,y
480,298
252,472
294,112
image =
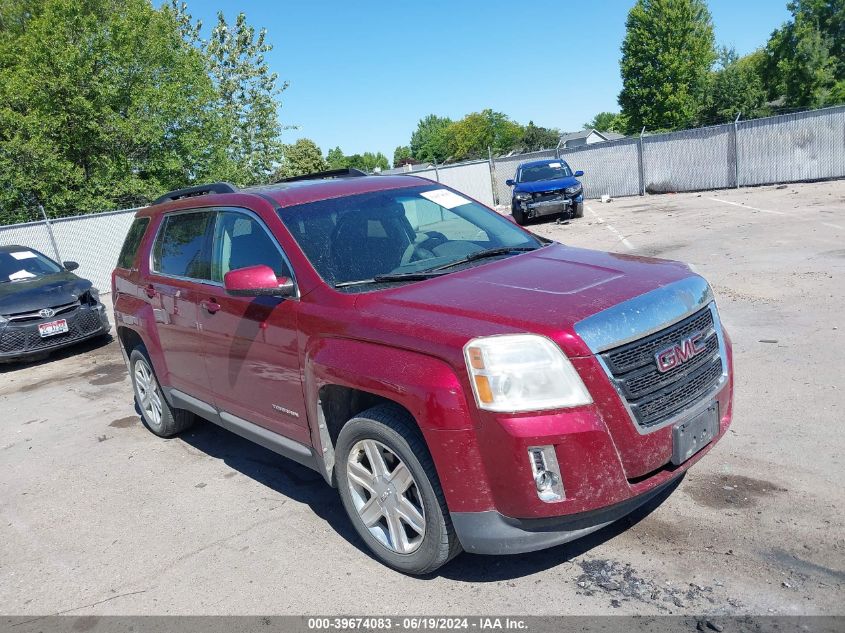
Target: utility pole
x,y
50,233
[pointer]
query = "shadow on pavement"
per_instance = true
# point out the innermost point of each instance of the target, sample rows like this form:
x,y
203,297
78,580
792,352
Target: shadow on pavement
x,y
306,486
97,344
275,472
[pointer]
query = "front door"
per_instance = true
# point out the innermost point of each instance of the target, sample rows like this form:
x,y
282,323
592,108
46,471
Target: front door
x,y
180,270
251,342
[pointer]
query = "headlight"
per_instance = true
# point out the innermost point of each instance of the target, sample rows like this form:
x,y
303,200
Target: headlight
x,y
522,195
573,189
3,320
522,372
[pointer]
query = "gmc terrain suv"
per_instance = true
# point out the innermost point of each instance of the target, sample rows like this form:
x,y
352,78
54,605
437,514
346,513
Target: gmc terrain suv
x,y
546,187
462,382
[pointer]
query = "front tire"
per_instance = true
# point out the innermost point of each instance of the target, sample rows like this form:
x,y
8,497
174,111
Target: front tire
x,y
390,490
578,211
156,413
519,216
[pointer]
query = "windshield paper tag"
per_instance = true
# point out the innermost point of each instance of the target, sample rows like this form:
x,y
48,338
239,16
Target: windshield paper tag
x,y
22,254
445,198
555,165
21,274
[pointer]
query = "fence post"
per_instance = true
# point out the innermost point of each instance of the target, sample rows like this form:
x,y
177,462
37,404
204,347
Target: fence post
x,y
557,150
50,233
736,150
493,182
642,161
436,173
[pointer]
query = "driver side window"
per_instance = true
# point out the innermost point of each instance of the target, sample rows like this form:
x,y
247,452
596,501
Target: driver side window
x,y
241,241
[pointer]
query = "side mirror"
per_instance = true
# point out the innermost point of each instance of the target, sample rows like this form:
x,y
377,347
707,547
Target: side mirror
x,y
257,281
509,182
70,266
579,173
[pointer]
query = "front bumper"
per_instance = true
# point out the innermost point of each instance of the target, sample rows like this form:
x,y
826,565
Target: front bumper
x,y
494,533
19,341
539,208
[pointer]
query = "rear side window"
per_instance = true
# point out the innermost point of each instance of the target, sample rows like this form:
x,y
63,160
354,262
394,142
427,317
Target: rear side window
x,y
180,246
132,242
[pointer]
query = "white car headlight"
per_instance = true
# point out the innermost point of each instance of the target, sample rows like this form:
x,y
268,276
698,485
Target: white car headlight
x,y
522,195
522,372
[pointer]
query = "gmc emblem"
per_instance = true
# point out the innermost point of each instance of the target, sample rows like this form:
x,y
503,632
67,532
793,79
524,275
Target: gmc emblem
x,y
680,353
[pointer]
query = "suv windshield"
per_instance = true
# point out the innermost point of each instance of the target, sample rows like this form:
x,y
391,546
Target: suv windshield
x,y
550,171
411,231
25,264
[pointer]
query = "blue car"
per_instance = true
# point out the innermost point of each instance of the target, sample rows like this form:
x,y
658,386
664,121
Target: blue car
x,y
546,187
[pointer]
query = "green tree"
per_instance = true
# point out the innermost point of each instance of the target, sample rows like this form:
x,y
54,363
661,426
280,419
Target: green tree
x,y
248,93
336,159
430,141
608,122
667,56
402,155
102,106
805,58
535,137
471,136
368,161
301,157
736,87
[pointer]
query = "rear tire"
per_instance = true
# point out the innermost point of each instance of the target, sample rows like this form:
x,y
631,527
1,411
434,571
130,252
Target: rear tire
x,y
397,505
156,414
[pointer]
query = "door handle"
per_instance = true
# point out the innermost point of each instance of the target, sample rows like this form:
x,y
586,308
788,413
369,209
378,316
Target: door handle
x,y
150,291
211,306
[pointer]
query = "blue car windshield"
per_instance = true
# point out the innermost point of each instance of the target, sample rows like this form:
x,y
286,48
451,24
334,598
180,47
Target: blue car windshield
x,y
550,171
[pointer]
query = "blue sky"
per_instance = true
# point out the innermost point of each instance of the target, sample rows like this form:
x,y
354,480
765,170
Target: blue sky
x,y
363,73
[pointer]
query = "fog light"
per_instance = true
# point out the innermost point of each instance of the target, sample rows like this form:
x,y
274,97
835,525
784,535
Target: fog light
x,y
546,473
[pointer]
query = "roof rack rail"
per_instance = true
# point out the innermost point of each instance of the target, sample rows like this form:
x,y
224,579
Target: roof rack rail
x,y
199,190
346,172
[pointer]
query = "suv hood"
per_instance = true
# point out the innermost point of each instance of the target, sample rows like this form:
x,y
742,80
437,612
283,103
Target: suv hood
x,y
546,291
42,292
545,185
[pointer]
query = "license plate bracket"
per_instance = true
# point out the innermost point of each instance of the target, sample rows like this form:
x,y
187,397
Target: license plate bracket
x,y
690,436
52,328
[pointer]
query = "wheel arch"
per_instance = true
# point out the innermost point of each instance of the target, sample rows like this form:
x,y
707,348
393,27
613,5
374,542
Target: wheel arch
x,y
345,377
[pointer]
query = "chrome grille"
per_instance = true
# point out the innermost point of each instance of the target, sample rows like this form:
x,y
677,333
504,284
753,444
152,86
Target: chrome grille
x,y
653,396
35,316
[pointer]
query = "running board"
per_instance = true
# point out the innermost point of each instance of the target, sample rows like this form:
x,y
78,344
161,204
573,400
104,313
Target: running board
x,y
284,446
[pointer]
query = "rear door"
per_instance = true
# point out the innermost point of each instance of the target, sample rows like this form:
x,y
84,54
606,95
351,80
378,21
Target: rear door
x,y
180,275
252,342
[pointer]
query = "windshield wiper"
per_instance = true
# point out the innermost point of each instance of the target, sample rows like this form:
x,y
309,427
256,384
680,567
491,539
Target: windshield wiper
x,y
488,252
391,277
439,270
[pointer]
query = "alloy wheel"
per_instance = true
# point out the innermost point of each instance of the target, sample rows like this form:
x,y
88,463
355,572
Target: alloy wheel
x,y
386,496
147,392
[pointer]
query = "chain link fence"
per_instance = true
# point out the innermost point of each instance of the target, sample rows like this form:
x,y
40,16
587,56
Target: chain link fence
x,y
792,147
789,148
94,241
611,167
474,178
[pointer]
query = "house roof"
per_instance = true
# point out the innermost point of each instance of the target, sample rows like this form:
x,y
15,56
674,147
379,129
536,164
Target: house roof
x,y
574,136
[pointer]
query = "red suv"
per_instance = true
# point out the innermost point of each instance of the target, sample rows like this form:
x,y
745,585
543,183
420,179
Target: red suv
x,y
464,383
